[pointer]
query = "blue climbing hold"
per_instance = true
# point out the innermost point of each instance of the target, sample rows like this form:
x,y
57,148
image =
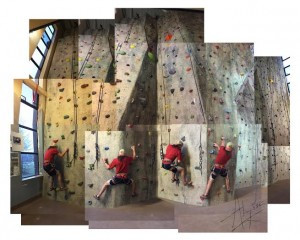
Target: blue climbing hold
x,y
106,148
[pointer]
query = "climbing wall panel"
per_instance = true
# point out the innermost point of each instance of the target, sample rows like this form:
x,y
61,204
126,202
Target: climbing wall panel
x,y
65,63
279,163
142,170
62,123
229,73
252,158
194,161
95,57
272,101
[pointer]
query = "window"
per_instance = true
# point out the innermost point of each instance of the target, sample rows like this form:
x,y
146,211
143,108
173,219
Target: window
x,y
28,130
286,68
39,55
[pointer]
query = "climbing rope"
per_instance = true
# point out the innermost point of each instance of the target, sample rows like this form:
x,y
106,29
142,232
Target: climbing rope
x,y
87,57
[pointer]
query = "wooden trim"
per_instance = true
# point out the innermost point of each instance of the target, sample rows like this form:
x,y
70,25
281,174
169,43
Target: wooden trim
x,y
30,83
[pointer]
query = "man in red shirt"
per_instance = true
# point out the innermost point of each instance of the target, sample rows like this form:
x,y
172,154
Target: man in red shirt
x,y
173,151
224,155
121,163
49,165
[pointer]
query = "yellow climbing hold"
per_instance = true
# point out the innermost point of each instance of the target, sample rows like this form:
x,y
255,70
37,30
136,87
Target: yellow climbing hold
x,y
79,59
271,81
67,59
97,59
132,46
242,74
166,106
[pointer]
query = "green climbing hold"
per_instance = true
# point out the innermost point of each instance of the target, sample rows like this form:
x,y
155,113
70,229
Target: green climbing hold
x,y
122,53
89,66
89,102
49,124
66,116
61,90
151,56
62,137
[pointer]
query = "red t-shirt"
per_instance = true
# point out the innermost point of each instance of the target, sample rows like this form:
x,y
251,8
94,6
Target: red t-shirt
x,y
121,166
172,153
49,155
223,156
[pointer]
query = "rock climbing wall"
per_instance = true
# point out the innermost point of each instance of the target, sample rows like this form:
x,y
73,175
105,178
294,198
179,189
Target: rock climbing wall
x,y
67,117
95,58
279,163
252,158
177,77
229,94
194,162
142,170
272,101
64,64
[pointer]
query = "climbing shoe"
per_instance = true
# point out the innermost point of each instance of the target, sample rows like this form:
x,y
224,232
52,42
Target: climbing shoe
x,y
96,197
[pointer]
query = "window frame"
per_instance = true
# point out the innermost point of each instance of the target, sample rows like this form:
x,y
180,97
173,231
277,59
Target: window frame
x,y
40,51
36,142
284,69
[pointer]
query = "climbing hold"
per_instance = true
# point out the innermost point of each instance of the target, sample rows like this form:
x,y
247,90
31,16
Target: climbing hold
x,y
215,89
212,151
91,166
73,131
76,105
67,181
126,73
168,37
151,56
81,158
84,85
69,99
49,124
84,118
181,89
62,137
55,140
71,192
89,102
90,202
122,52
172,90
59,84
183,139
221,101
60,98
97,59
66,116
50,99
106,148
61,90
89,66
80,184
132,46
107,116
188,69
90,185
192,116
191,91
175,194
94,92
172,71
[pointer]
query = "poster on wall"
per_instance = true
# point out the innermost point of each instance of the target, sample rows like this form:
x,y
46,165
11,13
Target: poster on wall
x,y
16,142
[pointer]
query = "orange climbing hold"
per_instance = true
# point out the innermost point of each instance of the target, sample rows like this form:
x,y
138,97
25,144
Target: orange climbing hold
x,y
55,140
81,158
188,69
168,37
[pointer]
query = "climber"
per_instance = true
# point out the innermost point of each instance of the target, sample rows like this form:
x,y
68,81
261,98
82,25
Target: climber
x,y
173,151
121,163
49,165
224,155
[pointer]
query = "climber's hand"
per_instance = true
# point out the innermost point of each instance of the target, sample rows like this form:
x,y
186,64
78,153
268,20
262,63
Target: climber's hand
x,y
223,138
215,145
133,147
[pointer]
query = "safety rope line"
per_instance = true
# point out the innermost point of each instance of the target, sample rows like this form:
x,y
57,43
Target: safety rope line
x,y
87,57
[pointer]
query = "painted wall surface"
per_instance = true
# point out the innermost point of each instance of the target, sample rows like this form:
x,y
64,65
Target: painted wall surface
x,y
272,101
279,163
142,169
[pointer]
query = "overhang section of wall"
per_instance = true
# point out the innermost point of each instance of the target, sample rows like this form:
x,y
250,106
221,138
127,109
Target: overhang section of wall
x,y
194,162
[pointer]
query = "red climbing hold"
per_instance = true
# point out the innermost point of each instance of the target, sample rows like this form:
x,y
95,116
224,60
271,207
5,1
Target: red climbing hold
x,y
55,140
84,85
188,69
81,158
217,47
168,37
